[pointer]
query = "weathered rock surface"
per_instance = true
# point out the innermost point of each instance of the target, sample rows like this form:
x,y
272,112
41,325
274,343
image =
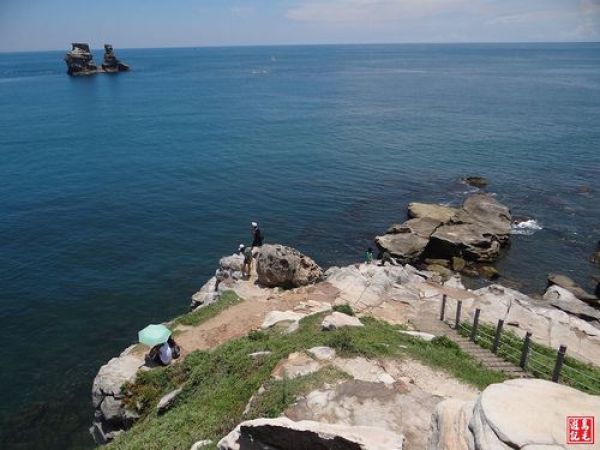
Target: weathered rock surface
x,y
515,414
167,401
567,283
364,370
296,365
207,294
439,213
281,266
281,318
322,353
283,433
476,231
110,416
337,320
564,300
449,426
405,246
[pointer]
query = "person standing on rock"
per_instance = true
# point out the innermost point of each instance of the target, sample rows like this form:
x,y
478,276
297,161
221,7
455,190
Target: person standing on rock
x,y
257,236
246,252
369,256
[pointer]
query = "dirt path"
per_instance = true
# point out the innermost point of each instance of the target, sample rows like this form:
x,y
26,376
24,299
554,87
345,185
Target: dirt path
x,y
248,315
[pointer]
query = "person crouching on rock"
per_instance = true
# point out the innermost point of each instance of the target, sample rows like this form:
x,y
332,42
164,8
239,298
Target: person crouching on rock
x,y
257,236
246,252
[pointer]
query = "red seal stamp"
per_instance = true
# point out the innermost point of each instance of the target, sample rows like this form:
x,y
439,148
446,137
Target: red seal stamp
x,y
580,430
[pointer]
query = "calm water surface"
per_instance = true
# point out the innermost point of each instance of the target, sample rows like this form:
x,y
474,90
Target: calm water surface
x,y
118,194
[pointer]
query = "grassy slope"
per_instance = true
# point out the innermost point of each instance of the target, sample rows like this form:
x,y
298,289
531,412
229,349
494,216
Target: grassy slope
x,y
219,383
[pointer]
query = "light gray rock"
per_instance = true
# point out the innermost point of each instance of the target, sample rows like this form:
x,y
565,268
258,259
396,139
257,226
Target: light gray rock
x,y
201,445
364,370
283,433
286,267
285,318
167,401
230,269
322,353
297,364
538,411
258,355
206,295
419,334
564,300
567,283
520,413
337,320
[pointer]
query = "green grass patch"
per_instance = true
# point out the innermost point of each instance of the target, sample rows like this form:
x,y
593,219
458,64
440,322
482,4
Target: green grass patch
x,y
226,300
345,308
541,360
218,384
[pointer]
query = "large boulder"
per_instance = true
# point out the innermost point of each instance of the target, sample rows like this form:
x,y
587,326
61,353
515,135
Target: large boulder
x,y
286,267
422,227
469,240
521,413
486,211
405,246
283,433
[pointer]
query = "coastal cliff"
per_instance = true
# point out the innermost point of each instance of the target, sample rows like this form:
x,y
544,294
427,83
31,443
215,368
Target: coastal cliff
x,y
344,353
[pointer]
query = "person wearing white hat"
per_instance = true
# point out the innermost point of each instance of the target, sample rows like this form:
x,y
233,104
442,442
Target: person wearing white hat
x,y
257,236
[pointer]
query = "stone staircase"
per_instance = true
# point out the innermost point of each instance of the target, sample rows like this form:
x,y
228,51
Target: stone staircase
x,y
433,325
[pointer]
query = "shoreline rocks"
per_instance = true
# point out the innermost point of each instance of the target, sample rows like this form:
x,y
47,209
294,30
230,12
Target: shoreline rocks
x,y
476,232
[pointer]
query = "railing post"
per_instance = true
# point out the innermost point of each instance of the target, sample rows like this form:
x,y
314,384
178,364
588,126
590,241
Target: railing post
x,y
458,308
497,336
475,325
560,358
525,351
443,312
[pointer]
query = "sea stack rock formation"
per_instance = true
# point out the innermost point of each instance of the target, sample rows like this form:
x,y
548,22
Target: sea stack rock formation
x,y
80,61
475,232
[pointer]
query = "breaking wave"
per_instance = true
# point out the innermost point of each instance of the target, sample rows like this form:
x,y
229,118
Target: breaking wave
x,y
526,227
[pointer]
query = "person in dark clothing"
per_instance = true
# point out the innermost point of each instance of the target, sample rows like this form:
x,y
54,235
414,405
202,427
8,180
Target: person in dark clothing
x,y
387,257
257,236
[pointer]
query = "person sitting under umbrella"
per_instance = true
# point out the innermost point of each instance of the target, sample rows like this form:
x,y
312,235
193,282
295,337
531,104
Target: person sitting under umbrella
x,y
164,347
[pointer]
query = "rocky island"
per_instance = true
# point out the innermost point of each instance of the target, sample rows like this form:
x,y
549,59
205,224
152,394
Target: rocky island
x,y
80,61
298,357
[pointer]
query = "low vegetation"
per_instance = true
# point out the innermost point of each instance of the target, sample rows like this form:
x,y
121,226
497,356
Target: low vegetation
x,y
200,315
218,384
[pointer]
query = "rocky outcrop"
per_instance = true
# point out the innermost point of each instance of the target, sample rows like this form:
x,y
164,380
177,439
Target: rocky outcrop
x,y
536,417
286,267
564,300
283,433
111,416
567,283
478,182
475,232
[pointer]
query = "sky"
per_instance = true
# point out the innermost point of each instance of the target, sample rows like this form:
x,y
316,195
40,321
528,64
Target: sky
x,y
29,25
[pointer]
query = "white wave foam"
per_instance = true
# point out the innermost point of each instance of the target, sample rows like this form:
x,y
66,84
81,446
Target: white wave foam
x,y
526,227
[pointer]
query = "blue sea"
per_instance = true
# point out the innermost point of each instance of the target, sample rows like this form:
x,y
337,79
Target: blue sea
x,y
118,194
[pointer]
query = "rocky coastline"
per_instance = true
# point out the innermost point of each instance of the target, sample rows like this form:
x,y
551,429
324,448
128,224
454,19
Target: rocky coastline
x,y
433,247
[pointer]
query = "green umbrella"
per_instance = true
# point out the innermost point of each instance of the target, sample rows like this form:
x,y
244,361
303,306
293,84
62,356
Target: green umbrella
x,y
154,334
